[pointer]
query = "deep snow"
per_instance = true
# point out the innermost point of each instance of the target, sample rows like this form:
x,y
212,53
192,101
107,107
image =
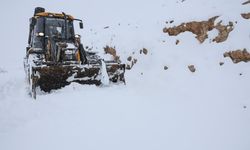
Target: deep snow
x,y
157,109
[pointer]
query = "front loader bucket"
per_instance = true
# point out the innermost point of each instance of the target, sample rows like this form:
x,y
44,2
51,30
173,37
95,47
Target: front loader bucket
x,y
58,76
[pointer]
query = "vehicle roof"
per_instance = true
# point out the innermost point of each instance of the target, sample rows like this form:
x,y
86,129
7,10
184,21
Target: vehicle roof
x,y
53,15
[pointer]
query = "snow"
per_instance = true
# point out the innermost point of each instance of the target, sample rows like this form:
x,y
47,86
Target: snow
x,y
104,75
156,109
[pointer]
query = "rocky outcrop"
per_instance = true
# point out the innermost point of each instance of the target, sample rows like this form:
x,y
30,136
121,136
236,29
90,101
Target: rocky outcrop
x,y
238,55
201,29
224,31
246,15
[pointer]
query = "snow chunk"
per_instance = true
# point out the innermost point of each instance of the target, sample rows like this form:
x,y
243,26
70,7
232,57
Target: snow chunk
x,y
104,74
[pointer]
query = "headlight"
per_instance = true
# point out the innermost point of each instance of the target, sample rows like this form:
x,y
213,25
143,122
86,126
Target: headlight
x,y
40,34
77,36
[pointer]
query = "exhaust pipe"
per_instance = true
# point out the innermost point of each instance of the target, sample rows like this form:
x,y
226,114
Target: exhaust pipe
x,y
39,10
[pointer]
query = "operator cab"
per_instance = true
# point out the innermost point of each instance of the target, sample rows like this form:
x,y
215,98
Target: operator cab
x,y
53,35
51,25
56,27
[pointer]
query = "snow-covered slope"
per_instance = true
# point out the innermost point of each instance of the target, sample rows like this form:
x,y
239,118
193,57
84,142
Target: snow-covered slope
x,y
157,109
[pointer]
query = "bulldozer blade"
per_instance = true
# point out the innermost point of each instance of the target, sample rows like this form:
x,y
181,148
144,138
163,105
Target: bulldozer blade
x,y
57,76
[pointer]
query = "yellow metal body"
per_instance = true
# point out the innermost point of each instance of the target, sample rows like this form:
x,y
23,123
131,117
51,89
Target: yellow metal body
x,y
55,15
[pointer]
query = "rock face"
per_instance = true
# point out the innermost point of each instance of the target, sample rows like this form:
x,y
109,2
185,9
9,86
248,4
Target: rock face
x,y
177,42
238,55
111,51
201,28
192,68
224,31
246,15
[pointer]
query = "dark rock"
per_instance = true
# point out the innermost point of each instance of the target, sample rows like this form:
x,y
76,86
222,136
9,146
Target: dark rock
x,y
221,63
145,51
129,58
246,15
177,42
165,67
192,68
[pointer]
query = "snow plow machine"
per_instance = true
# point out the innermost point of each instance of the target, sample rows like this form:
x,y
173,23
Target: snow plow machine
x,y
55,56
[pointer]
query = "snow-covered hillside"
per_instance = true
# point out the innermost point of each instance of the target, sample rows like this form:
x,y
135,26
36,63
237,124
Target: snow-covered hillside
x,y
157,109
